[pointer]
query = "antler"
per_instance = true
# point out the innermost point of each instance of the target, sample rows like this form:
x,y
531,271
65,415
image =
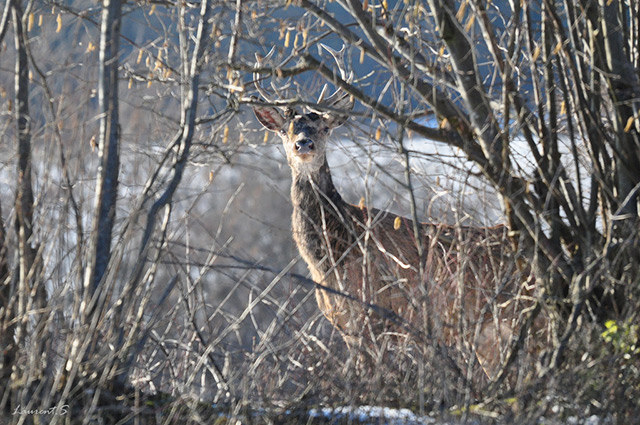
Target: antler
x,y
260,61
335,100
339,95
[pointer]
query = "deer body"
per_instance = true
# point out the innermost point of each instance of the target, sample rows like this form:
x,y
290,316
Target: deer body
x,y
329,234
461,287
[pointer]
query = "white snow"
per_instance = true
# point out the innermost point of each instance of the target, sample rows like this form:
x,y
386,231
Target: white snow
x,y
379,415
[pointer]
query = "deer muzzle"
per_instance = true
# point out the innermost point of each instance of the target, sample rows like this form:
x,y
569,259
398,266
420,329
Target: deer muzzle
x,y
304,146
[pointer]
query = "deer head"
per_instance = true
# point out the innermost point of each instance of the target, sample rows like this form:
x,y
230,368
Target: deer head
x,y
304,135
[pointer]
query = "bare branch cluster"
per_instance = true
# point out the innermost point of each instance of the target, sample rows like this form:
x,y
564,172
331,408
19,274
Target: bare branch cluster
x,y
148,272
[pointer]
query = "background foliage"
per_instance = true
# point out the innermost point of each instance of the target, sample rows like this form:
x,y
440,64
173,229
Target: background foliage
x,y
146,263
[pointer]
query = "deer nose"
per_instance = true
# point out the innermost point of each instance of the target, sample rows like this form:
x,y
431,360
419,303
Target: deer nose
x,y
304,146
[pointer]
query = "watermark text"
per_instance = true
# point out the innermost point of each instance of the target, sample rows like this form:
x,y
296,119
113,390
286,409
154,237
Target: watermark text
x,y
55,410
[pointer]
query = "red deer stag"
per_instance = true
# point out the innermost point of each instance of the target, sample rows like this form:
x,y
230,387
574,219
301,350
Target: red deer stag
x,y
461,283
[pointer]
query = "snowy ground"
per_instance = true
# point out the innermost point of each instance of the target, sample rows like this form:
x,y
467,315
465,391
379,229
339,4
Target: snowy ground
x,y
388,416
372,414
380,415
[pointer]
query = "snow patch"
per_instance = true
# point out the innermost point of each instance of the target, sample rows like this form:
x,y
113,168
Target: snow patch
x,y
377,414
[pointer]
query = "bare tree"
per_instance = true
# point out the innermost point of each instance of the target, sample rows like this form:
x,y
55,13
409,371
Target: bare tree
x,y
541,97
108,147
111,308
24,292
549,87
140,192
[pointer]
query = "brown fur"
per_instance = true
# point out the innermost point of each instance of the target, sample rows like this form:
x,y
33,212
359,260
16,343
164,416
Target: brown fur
x,y
465,290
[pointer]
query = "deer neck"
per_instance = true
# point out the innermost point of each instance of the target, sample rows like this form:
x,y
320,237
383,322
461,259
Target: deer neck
x,y
320,218
314,189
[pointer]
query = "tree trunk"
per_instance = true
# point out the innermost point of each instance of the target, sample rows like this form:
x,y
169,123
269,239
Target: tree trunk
x,y
107,185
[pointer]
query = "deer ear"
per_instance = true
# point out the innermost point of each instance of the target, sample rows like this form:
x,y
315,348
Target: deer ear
x,y
269,117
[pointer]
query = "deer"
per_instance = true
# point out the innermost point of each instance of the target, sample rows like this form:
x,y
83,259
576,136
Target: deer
x,y
461,282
